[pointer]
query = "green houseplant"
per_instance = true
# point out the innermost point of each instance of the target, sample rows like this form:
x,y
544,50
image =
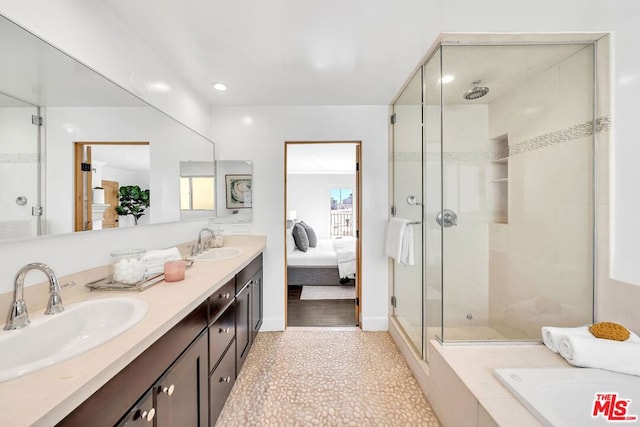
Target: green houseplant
x,y
133,201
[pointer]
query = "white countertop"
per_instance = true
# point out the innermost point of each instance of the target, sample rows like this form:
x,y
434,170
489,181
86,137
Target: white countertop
x,y
44,397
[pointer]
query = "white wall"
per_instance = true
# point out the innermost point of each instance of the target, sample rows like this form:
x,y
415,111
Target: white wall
x,y
310,197
262,139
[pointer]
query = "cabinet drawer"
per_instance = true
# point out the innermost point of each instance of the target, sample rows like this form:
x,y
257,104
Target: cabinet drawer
x,y
245,275
221,332
221,298
221,382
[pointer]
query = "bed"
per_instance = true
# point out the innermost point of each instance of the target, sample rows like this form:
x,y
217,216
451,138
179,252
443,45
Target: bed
x,y
326,264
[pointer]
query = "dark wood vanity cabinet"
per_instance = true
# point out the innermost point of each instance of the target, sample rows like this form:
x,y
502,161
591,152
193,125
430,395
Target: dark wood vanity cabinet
x,y
180,356
248,308
185,377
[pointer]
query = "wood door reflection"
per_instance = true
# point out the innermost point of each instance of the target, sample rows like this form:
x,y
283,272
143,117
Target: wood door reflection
x,y
110,219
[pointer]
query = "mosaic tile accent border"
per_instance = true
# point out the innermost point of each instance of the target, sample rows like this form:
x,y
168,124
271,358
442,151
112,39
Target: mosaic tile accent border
x,y
18,158
602,125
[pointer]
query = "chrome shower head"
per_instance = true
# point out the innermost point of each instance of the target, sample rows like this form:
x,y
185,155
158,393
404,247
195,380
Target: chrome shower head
x,y
476,91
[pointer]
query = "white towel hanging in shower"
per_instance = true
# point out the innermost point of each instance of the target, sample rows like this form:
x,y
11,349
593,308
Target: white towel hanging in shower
x,y
400,241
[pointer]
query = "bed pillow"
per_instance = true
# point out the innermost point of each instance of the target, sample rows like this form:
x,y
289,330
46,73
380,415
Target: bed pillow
x,y
300,237
311,234
291,244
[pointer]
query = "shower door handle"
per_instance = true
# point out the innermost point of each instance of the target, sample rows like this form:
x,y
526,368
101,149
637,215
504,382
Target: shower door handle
x,y
447,218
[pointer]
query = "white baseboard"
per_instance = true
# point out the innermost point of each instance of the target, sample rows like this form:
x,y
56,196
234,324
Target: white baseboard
x,y
375,324
272,324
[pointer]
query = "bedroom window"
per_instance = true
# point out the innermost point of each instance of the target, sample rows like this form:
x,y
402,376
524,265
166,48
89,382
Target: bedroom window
x,y
196,193
341,212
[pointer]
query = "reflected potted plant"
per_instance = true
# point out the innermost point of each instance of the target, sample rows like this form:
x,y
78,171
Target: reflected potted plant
x,y
133,201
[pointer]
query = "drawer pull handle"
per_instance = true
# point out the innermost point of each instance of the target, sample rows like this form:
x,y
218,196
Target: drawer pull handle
x,y
148,415
225,380
168,390
225,296
224,330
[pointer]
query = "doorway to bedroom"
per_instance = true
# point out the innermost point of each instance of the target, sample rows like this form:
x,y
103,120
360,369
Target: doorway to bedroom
x,y
322,240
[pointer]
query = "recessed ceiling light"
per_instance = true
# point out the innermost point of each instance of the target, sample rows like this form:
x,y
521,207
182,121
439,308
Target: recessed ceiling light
x,y
447,79
220,86
158,86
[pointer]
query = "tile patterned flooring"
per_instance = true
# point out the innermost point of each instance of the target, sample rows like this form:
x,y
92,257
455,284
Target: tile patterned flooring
x,y
326,377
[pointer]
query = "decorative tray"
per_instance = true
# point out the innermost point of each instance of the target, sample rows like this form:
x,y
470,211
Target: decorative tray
x,y
107,283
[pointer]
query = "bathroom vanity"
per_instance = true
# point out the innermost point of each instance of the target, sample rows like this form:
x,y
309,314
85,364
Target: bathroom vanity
x,y
176,367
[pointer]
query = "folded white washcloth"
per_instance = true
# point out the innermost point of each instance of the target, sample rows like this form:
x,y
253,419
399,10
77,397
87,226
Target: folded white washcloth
x,y
154,260
592,352
169,254
551,335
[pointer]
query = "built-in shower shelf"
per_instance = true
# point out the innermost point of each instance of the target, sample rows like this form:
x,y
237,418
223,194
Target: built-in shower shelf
x,y
498,172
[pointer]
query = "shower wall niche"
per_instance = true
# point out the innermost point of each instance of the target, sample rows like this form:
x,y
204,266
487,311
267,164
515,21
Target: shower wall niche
x,y
515,164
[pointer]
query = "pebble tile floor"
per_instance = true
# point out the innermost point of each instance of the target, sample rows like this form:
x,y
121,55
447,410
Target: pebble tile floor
x,y
326,377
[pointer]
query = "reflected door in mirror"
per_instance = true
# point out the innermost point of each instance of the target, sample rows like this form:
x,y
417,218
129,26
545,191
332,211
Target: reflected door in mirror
x,y
110,219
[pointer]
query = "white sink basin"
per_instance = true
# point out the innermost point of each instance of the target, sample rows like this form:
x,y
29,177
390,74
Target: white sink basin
x,y
52,339
219,254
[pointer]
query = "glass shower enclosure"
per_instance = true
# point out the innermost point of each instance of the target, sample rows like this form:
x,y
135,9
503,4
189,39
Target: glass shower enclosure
x,y
493,164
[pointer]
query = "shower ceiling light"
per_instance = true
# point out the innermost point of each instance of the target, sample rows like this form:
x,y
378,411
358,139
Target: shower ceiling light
x,y
447,79
220,86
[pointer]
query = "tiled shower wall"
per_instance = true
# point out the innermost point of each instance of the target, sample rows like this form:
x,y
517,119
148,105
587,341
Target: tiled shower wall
x,y
541,260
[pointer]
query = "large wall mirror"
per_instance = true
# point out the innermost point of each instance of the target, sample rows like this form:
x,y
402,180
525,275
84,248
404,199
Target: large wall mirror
x,y
67,132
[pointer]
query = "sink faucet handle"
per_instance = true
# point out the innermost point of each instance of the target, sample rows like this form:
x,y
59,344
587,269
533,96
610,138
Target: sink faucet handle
x,y
54,306
18,316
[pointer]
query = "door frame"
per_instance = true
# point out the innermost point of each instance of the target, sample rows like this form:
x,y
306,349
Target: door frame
x,y
358,213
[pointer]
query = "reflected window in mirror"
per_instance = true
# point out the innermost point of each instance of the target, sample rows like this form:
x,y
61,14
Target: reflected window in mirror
x,y
197,189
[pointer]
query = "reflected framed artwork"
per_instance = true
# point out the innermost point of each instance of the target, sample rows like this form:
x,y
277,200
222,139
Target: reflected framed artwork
x,y
238,191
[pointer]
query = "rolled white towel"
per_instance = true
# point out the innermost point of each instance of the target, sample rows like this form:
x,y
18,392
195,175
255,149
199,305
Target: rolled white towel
x,y
617,356
551,335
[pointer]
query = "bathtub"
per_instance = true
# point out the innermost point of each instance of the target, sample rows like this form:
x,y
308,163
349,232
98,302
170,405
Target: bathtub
x,y
569,397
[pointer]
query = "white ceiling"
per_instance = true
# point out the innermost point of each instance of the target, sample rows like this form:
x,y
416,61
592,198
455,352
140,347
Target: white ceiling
x,y
134,158
287,52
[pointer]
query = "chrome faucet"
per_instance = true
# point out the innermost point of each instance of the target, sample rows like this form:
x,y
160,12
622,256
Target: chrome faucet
x,y
18,316
199,245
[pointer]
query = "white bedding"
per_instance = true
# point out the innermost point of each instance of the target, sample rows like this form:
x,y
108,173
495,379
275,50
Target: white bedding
x,y
328,253
323,255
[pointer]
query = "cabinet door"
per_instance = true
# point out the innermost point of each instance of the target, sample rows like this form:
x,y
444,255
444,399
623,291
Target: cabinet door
x,y
256,304
182,392
221,382
142,413
243,327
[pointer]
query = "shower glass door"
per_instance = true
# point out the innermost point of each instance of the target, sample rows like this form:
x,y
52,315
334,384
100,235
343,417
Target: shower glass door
x,y
407,199
432,183
19,169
